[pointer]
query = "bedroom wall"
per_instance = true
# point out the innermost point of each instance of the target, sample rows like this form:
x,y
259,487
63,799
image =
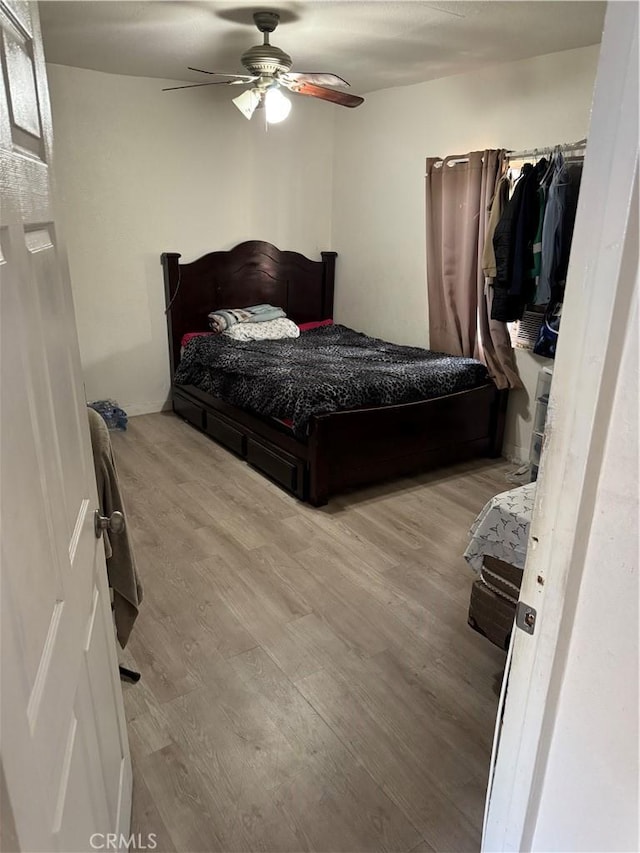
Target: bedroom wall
x,y
140,172
379,202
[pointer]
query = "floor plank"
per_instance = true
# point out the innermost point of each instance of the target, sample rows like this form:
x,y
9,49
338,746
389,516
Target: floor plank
x,y
309,682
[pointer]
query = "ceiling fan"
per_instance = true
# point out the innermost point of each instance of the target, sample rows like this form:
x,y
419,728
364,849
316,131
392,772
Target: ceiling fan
x,y
268,68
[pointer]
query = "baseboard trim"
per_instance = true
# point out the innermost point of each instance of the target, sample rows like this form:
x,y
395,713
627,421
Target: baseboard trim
x,y
133,409
516,454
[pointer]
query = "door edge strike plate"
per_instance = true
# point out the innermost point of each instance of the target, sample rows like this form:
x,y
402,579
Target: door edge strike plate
x,y
526,617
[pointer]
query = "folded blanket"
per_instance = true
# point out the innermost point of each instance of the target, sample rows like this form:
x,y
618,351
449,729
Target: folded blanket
x,y
223,319
271,330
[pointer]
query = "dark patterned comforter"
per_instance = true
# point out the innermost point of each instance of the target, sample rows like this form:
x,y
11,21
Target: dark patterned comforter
x,y
324,370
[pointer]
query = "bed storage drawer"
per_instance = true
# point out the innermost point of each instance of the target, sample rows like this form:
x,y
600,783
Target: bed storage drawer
x,y
275,463
224,432
188,410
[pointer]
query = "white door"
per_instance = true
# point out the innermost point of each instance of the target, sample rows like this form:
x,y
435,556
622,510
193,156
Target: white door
x,y
557,668
64,751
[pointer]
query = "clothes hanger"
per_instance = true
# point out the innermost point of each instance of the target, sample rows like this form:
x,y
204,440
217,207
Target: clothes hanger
x,y
552,165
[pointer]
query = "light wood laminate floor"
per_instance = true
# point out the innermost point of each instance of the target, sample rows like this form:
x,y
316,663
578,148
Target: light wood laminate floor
x,y
309,681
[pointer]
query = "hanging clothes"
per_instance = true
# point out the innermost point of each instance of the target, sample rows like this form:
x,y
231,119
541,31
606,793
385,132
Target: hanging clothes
x,y
513,241
521,281
557,232
496,208
574,172
532,242
537,240
557,235
505,230
505,307
552,231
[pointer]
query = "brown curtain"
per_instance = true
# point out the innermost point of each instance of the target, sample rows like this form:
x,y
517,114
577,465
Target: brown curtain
x,y
459,194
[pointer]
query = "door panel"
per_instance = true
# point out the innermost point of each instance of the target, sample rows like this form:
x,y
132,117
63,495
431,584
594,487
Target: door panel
x,y
59,372
101,698
601,283
65,754
25,115
25,480
81,810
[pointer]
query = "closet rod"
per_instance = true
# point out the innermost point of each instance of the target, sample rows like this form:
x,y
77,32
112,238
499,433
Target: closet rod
x,y
538,152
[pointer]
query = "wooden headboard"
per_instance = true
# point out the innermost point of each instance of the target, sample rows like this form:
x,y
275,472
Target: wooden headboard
x,y
249,274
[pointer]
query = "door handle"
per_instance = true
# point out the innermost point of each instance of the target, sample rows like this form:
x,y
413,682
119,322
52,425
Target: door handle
x,y
114,523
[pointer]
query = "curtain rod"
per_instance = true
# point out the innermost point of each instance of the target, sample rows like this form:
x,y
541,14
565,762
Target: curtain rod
x,y
538,152
580,145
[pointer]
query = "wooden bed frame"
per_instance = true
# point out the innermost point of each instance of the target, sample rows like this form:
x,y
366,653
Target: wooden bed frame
x,y
343,449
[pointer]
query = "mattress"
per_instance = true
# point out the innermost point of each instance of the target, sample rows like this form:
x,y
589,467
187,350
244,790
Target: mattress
x,y
327,369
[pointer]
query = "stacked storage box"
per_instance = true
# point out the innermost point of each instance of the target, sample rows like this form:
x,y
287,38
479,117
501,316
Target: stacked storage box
x,y
497,552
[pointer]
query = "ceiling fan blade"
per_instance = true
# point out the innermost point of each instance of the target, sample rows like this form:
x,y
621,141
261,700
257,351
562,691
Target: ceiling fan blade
x,y
213,83
343,98
319,79
222,73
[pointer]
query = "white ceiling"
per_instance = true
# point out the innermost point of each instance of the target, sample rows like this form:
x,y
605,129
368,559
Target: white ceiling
x,y
374,45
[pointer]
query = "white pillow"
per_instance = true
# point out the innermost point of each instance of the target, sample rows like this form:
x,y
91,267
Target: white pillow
x,y
269,330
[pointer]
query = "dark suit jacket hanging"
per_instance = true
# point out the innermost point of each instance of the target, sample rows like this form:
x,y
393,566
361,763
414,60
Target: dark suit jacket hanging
x,y
513,246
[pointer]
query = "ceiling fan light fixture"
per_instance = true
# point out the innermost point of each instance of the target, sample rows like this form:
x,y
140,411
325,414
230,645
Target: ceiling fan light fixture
x,y
277,106
269,69
247,102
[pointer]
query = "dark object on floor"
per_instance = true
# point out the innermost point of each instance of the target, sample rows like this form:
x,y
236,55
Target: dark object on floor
x,y
494,596
112,414
129,674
